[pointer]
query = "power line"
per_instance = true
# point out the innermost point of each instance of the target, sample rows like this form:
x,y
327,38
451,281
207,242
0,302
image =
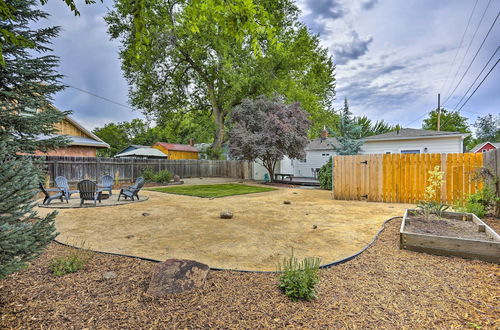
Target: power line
x,y
477,87
459,46
493,55
102,97
474,58
479,84
414,120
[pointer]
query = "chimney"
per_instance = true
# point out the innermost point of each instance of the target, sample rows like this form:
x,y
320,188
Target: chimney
x,y
324,133
191,142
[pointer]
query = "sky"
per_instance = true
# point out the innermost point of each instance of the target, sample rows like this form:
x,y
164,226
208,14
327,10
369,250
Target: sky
x,y
392,57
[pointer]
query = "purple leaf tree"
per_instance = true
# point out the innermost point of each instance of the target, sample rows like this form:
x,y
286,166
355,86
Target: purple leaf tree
x,y
266,130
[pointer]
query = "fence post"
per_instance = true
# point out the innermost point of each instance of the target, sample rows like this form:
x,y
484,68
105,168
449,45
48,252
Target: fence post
x,y
97,169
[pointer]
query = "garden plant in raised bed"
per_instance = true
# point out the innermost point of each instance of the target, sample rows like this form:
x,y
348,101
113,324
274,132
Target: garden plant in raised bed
x,y
431,229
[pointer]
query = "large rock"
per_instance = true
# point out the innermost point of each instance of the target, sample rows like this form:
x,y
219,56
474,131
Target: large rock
x,y
176,275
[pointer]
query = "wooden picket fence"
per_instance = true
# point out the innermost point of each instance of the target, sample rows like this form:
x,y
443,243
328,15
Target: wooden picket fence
x,y
128,169
402,178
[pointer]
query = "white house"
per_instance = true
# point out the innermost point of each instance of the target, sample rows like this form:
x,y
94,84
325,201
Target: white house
x,y
414,141
406,140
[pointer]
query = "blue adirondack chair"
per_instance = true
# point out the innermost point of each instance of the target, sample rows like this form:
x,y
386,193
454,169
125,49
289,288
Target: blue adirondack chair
x,y
89,191
132,190
49,198
63,185
106,184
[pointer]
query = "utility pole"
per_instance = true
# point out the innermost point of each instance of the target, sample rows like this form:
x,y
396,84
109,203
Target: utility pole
x,y
439,113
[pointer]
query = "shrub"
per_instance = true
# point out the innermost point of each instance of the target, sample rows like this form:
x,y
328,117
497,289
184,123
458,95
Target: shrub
x,y
72,262
163,176
149,175
478,203
298,279
325,175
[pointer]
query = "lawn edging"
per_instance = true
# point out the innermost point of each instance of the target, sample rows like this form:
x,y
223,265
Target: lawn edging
x,y
328,265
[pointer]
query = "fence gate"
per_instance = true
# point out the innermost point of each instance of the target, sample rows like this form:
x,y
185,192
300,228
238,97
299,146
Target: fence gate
x,y
357,177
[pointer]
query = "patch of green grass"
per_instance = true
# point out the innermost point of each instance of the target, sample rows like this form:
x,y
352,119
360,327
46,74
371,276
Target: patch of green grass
x,y
213,190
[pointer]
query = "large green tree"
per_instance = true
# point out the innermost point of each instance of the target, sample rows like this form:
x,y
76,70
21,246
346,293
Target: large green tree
x,y
210,55
451,121
488,128
27,82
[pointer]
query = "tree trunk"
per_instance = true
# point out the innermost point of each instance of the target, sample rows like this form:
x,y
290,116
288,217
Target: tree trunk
x,y
270,165
218,118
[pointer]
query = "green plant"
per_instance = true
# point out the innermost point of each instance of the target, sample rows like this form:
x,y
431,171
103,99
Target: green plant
x,y
429,205
325,175
298,280
148,175
163,176
478,203
72,262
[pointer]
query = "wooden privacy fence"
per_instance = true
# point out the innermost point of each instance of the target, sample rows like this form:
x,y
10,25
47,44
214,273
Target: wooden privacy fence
x,y
402,178
128,169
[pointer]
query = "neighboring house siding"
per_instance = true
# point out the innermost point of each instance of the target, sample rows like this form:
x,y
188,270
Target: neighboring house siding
x,y
314,160
486,147
182,155
74,151
433,145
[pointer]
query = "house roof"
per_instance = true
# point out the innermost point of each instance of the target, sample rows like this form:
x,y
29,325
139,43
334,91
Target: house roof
x,y
135,146
142,152
480,145
92,140
83,141
412,133
322,144
176,147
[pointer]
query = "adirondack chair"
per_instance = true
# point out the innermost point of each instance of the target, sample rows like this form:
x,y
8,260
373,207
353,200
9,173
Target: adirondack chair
x,y
49,198
89,191
63,185
106,184
132,190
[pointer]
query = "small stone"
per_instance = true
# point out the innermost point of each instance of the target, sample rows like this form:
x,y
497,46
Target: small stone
x,y
287,202
108,275
145,214
130,236
177,178
295,193
211,198
314,226
177,275
226,215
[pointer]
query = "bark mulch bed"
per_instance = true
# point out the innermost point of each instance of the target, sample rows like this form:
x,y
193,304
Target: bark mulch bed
x,y
383,288
444,227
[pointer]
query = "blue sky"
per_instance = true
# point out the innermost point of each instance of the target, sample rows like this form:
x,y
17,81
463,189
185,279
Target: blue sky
x,y
392,57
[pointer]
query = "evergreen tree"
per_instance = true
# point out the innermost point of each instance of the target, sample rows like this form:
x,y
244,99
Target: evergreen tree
x,y
488,128
27,82
348,132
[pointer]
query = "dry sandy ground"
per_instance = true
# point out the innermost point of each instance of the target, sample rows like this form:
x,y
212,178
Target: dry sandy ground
x,y
262,232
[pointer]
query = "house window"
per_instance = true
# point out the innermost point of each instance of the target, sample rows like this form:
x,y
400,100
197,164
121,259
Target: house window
x,y
388,152
325,155
484,150
303,160
410,151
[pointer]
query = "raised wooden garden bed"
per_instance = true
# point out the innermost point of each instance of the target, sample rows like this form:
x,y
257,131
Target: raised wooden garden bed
x,y
455,234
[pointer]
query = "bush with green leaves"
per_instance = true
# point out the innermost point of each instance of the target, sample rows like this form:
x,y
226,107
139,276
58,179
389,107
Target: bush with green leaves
x,y
163,176
298,280
325,175
478,203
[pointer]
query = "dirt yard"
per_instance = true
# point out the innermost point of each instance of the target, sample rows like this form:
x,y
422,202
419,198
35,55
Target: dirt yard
x,y
383,288
262,232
